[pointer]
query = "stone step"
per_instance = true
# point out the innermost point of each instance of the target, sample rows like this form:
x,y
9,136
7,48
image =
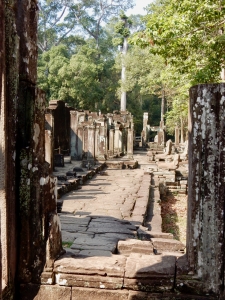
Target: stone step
x,y
135,246
148,235
168,245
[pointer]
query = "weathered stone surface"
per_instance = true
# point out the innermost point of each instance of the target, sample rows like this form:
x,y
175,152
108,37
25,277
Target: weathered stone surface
x,y
147,235
100,243
206,195
94,294
112,266
96,252
167,244
41,292
135,246
90,281
146,266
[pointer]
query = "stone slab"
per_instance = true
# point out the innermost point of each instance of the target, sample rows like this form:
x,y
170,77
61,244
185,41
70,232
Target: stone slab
x,y
90,281
167,244
135,246
146,266
112,266
102,229
147,235
73,228
95,253
42,292
98,294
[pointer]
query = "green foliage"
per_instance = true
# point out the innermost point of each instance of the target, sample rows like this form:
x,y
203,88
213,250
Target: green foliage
x,y
83,80
189,35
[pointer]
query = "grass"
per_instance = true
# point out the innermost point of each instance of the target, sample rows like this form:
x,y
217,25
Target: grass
x,y
67,244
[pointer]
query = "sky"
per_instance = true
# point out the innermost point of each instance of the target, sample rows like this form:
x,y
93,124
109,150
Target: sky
x,y
139,8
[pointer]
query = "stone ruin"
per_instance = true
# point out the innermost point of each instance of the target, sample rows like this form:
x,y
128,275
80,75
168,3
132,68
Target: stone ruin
x,y
87,136
30,232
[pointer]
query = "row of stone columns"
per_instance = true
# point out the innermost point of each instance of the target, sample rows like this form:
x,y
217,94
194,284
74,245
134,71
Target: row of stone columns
x,y
88,136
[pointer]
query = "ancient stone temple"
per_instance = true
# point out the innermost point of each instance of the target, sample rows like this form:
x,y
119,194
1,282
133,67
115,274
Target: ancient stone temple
x,y
30,230
85,135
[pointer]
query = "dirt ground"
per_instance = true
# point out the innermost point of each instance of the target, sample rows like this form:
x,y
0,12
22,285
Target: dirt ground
x,y
174,215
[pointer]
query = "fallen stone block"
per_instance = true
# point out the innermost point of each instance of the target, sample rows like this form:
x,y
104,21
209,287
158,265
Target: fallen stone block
x,y
167,245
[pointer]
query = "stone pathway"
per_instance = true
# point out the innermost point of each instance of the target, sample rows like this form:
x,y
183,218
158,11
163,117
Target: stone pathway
x,y
109,253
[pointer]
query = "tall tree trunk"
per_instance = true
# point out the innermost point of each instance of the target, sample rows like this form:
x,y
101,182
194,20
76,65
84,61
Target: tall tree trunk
x,y
123,102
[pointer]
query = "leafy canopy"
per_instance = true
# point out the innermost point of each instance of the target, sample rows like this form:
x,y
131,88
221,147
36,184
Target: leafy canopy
x,y
189,35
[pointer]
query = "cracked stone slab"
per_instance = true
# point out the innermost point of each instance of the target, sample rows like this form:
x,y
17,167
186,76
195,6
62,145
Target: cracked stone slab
x,y
111,229
113,266
115,225
73,227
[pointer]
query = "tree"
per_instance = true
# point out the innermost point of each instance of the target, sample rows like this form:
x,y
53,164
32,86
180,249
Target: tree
x,y
91,14
189,35
122,28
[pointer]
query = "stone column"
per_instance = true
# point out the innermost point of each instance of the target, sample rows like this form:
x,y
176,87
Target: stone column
x,y
111,141
91,143
117,139
102,142
49,149
73,134
79,143
177,135
9,66
145,128
130,143
206,193
85,142
97,131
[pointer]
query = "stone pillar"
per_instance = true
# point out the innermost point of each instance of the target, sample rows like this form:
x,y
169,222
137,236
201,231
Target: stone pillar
x,y
79,143
177,135
49,149
97,131
130,143
9,66
120,144
91,143
73,134
206,194
111,141
27,199
145,128
117,139
85,142
102,142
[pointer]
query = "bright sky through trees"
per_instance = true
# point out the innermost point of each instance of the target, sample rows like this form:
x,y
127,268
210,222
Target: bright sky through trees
x,y
139,7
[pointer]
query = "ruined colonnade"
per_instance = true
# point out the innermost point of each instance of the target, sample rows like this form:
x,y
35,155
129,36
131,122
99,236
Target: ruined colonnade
x,y
30,233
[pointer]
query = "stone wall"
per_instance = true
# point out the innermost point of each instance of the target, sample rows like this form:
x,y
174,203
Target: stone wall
x,y
27,190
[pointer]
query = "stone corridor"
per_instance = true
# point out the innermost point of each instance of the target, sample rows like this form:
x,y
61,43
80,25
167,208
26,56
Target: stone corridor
x,y
109,253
